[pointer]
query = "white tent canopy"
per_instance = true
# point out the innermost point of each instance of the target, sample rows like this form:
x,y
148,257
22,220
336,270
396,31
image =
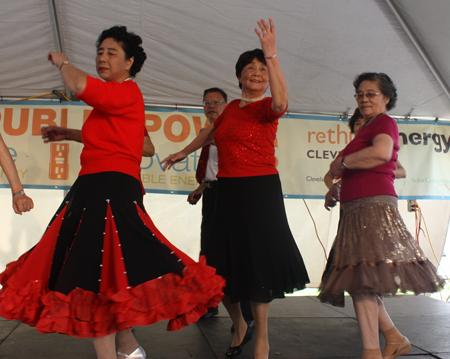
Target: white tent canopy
x,y
192,45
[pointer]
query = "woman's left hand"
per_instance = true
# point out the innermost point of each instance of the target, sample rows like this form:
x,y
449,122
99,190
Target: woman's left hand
x,y
57,58
267,37
172,159
331,197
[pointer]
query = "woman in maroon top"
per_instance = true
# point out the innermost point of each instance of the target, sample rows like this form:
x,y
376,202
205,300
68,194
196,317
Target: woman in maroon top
x,y
354,123
252,245
102,267
374,254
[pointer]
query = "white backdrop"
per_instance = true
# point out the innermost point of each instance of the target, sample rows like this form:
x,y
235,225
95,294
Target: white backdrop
x,y
180,223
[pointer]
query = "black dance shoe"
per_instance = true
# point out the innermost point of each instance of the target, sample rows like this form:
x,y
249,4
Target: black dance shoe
x,y
250,323
233,351
210,313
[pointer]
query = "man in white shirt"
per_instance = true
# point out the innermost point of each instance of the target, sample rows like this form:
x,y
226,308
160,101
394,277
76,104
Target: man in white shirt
x,y
214,102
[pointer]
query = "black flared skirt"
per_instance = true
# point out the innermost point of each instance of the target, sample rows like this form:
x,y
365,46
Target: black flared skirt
x,y
102,266
252,245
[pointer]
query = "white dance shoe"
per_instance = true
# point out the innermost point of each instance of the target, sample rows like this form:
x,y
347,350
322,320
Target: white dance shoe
x,y
139,353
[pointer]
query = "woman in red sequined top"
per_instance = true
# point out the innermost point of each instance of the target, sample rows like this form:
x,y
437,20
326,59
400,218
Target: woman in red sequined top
x,y
252,245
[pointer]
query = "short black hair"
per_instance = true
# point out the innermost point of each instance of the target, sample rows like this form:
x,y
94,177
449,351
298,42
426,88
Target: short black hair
x,y
246,58
215,89
130,43
385,84
355,117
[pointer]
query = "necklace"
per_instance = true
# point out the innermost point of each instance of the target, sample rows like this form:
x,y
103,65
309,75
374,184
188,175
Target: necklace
x,y
370,120
252,99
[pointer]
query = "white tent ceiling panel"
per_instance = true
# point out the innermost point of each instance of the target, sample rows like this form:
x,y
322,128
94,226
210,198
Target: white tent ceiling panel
x,y
82,22
193,44
428,21
27,36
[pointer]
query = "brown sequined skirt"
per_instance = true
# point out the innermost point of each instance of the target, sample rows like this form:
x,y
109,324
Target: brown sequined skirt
x,y
374,253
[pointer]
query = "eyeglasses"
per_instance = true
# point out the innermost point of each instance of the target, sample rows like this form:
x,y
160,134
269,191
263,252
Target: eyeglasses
x,y
212,103
369,95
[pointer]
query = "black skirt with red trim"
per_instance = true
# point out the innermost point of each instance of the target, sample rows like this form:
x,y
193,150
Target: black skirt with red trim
x,y
102,266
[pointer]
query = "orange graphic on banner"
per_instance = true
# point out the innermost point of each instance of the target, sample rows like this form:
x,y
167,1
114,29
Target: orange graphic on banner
x,y
59,161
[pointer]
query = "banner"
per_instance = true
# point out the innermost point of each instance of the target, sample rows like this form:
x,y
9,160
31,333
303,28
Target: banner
x,y
305,147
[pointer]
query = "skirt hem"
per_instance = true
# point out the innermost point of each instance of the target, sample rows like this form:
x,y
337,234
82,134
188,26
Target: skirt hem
x,y
379,279
181,300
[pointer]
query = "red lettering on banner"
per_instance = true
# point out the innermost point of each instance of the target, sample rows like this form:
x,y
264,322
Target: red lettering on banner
x,y
339,133
198,124
64,117
330,131
320,137
185,128
23,123
156,122
86,114
42,116
333,136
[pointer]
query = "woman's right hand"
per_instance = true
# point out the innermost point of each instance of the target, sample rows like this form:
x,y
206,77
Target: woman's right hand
x,y
267,37
171,160
22,203
54,133
196,194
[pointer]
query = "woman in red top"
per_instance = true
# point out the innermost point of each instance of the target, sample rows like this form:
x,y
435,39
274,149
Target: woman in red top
x,y
374,254
102,267
252,245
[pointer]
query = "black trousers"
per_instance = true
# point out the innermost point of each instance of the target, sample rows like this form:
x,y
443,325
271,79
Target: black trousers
x,y
208,204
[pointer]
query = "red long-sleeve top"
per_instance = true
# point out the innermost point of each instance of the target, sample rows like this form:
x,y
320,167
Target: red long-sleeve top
x,y
113,134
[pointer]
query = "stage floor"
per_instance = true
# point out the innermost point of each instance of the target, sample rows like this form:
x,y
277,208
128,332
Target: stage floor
x,y
299,327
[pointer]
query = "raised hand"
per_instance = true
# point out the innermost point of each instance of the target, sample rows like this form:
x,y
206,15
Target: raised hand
x,y
267,37
57,58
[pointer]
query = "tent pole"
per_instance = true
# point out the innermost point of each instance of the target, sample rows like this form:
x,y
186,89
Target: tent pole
x,y
59,41
417,45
